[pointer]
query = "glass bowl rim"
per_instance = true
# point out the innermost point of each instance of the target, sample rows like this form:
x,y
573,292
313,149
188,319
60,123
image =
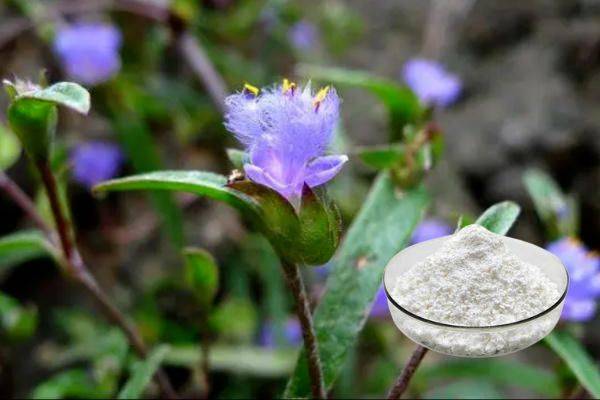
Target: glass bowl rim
x,y
483,327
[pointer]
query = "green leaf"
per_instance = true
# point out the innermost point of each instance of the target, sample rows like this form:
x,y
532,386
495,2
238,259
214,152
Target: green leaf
x,y
504,373
67,94
557,212
242,360
142,373
74,383
381,229
579,361
20,247
237,157
10,149
197,182
381,157
17,322
402,104
500,217
201,274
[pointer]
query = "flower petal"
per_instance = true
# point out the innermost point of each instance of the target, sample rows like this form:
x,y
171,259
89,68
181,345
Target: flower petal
x,y
323,169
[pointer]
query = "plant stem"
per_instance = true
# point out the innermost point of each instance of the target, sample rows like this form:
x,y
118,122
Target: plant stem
x,y
22,200
296,284
79,271
205,366
407,373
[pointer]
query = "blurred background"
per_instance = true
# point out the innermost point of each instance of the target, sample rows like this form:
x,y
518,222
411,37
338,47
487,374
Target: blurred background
x,y
528,100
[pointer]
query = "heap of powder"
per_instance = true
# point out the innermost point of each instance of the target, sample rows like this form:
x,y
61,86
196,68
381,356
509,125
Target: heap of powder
x,y
473,280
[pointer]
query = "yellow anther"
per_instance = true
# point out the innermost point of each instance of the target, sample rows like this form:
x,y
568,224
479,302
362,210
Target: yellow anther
x,y
252,89
320,96
288,85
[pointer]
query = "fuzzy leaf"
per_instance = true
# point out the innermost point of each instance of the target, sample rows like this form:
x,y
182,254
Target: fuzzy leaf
x,y
67,94
73,383
201,274
500,217
402,104
578,360
142,373
381,229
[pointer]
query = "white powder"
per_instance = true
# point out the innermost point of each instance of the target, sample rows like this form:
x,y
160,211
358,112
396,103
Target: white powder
x,y
473,280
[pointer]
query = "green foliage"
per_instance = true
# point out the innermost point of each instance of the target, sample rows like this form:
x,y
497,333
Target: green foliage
x,y
578,360
72,383
240,360
10,149
402,104
201,275
558,212
22,246
33,116
17,323
500,217
465,389
381,229
142,373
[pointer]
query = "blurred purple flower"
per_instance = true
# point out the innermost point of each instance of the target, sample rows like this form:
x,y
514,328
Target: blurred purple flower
x,y
303,35
292,334
89,52
431,228
286,130
94,162
431,82
584,274
380,306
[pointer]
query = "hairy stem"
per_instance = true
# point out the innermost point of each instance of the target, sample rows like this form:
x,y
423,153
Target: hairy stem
x,y
296,284
407,373
79,271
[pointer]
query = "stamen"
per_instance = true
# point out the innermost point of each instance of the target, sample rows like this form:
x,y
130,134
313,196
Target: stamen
x,y
320,96
249,89
288,86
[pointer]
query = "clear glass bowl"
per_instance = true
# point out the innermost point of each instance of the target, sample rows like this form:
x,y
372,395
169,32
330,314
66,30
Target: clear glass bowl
x,y
476,341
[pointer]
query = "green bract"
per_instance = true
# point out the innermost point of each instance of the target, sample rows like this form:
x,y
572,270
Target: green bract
x,y
307,235
33,113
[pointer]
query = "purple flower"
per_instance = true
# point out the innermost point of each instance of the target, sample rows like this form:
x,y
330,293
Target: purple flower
x,y
584,274
431,228
431,82
303,35
94,162
380,305
286,131
292,334
89,52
